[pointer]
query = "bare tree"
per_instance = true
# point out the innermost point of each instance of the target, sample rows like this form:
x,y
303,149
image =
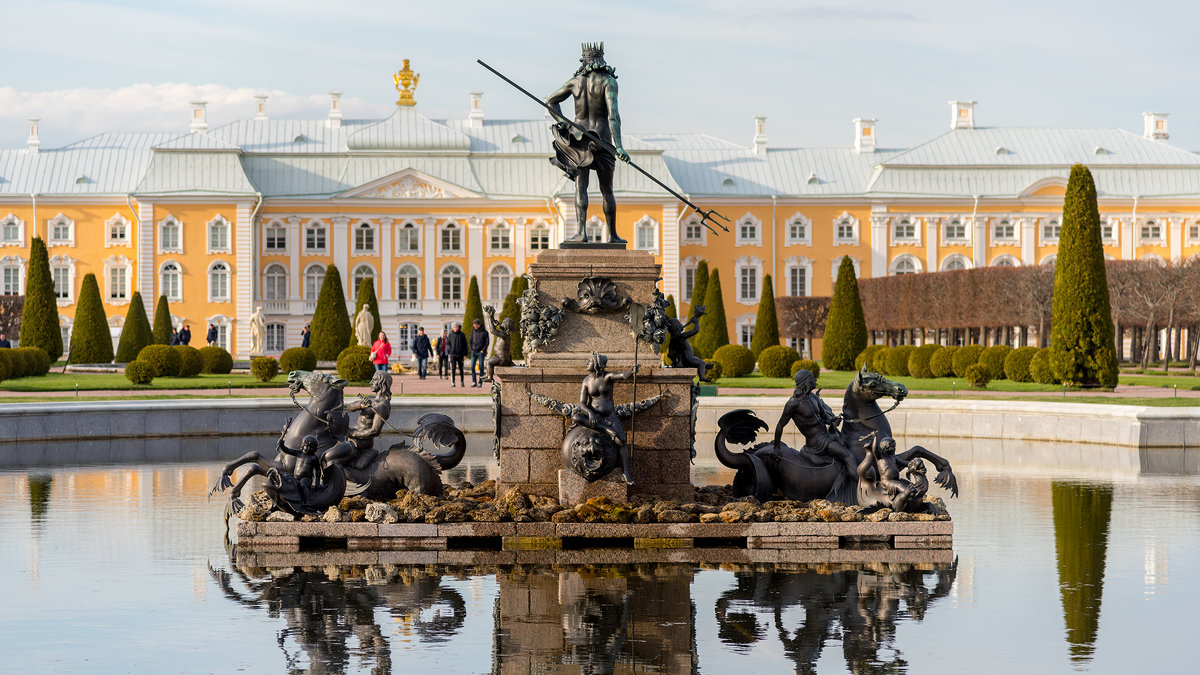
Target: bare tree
x,y
802,318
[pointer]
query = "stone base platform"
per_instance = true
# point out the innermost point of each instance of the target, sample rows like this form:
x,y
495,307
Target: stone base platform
x,y
868,537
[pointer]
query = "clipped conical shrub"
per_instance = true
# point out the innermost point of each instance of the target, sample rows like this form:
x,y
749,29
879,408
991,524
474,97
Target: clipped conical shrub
x,y
366,296
39,318
136,333
672,312
330,325
1082,347
699,285
90,340
474,308
162,321
512,310
845,329
714,333
766,324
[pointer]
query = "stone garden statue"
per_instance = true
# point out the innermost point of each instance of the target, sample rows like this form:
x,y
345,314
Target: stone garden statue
x,y
258,332
363,325
502,347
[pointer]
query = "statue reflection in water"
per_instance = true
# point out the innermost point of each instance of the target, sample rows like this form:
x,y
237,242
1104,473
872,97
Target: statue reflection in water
x,y
857,604
328,609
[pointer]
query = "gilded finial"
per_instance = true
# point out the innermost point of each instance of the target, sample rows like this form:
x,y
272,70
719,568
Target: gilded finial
x,y
406,84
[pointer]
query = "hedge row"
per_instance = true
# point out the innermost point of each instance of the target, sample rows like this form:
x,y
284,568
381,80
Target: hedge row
x,y
176,361
23,362
1025,364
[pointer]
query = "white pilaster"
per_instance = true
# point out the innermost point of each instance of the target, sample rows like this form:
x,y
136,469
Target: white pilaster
x,y
670,251
387,285
340,248
931,243
1028,241
145,256
1127,239
879,244
294,234
429,288
979,243
475,228
1175,232
520,245
244,276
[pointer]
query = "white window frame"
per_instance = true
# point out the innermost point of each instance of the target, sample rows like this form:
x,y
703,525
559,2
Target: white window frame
x,y
1188,224
374,231
645,224
749,219
213,227
449,225
9,221
406,332
304,280
836,263
745,323
315,224
898,239
1157,240
894,267
999,261
964,223
953,257
542,226
1043,223
997,239
212,268
1115,224
802,220
695,221
13,262
274,224
495,230
275,344
748,263
846,218
596,229
354,282
223,324
162,284
162,227
286,281
686,265
492,294
125,239
418,232
804,264
441,278
416,276
59,221
64,262
117,262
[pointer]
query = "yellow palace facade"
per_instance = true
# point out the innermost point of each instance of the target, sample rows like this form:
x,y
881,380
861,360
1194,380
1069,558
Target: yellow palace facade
x,y
223,220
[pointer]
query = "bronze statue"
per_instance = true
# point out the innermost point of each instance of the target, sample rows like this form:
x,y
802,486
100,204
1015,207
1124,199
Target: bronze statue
x,y
373,412
502,348
884,487
539,323
679,350
816,422
597,295
594,87
595,445
300,482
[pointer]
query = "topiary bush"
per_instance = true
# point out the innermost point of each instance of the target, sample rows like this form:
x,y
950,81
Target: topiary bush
x,y
37,361
735,360
17,363
942,362
805,364
776,361
6,364
163,359
878,362
993,357
330,324
918,361
978,375
91,341
39,316
297,358
714,370
966,357
354,364
162,322
136,332
1039,367
264,368
897,360
866,356
217,361
190,361
766,323
845,328
714,333
1016,364
139,372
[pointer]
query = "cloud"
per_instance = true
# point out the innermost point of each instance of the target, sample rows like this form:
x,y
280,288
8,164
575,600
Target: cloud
x,y
69,115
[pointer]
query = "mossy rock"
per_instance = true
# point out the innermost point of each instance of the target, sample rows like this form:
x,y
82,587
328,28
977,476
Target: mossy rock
x,y
217,361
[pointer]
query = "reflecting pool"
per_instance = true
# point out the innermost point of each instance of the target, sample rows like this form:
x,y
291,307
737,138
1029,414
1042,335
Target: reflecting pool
x,y
126,569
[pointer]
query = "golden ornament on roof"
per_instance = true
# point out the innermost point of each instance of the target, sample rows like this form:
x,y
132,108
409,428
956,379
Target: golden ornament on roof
x,y
406,83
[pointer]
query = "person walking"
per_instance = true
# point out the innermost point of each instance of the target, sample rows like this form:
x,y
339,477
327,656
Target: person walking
x,y
305,336
456,351
211,337
440,348
174,339
185,335
421,349
479,344
380,351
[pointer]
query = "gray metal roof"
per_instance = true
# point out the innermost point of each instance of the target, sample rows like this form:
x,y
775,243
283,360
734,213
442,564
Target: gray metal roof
x,y
198,173
1019,146
408,130
104,164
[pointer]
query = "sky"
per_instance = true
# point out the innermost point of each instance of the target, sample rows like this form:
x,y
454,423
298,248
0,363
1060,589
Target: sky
x,y
705,66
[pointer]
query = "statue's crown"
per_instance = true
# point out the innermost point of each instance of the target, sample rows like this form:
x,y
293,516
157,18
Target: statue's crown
x,y
592,51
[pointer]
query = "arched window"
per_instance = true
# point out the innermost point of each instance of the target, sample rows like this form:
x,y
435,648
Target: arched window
x,y
62,230
499,282
275,282
1151,230
314,274
905,265
1051,230
693,230
62,273
451,281
408,239
499,237
218,282
645,234
315,237
1005,261
1004,230
170,281
218,235
748,229
539,238
905,229
364,239
595,229
12,231
362,273
955,230
408,280
13,270
276,237
1050,260
451,238
845,229
117,230
170,239
955,262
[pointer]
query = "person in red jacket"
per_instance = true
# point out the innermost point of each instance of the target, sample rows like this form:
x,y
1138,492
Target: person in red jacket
x,y
380,351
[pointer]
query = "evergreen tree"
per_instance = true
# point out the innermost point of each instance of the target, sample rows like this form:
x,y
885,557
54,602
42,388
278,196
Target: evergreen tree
x,y
714,333
699,285
474,306
766,324
162,322
1082,347
845,328
90,340
672,312
1082,513
366,296
136,333
512,310
330,325
39,318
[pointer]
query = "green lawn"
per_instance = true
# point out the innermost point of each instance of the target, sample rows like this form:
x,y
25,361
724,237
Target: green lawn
x,y
1182,381
99,381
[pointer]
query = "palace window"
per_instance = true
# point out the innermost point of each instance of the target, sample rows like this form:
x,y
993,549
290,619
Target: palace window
x,y
500,238
1004,261
218,282
845,230
12,280
276,337
276,235
1151,231
408,280
1051,230
451,239
748,230
170,239
746,333
408,239
595,229
905,265
1193,231
406,335
1108,230
499,282
689,283
748,284
364,239
798,281
362,273
451,281
1004,230
693,231
62,282
169,282
905,229
218,235
799,230
955,230
314,276
955,262
315,237
117,230
62,230
539,238
275,282
645,235
118,287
